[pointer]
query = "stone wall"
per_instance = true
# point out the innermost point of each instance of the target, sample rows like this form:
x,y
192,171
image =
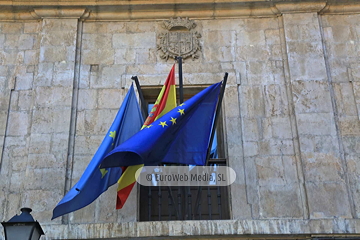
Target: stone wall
x,y
291,112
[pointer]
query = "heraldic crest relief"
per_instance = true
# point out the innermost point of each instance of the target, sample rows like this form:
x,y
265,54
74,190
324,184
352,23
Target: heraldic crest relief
x,y
181,40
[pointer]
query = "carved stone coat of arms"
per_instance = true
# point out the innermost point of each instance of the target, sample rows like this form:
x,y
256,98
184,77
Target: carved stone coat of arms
x,y
181,40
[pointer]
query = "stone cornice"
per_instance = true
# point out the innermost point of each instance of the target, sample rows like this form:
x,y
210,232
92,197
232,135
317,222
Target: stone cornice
x,y
80,13
164,9
223,228
300,7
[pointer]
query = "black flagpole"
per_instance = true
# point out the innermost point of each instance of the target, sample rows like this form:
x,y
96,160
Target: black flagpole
x,y
141,97
217,113
216,119
181,92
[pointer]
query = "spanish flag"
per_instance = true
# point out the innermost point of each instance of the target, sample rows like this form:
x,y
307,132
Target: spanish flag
x,y
164,103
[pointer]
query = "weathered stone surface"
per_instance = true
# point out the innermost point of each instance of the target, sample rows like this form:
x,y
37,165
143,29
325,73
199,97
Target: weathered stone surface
x,y
18,124
288,123
274,198
328,199
51,120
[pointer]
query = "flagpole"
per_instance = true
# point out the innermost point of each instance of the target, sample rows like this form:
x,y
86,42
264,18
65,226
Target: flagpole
x,y
217,113
141,97
181,92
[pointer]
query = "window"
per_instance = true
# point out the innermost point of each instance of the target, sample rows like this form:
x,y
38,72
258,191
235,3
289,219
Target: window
x,y
186,203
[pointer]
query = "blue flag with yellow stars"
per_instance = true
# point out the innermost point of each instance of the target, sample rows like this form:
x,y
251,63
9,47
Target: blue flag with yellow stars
x,y
96,180
180,136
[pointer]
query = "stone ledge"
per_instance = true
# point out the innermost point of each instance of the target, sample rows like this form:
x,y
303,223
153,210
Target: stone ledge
x,y
223,228
165,9
81,13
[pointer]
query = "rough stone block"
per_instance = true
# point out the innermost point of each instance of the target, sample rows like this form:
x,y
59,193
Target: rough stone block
x,y
251,101
276,103
231,102
343,50
307,68
316,124
18,124
12,57
53,177
251,149
25,100
31,27
106,203
53,96
125,55
138,40
42,202
16,181
219,38
110,98
12,27
233,142
65,25
282,201
51,120
95,41
98,121
87,99
252,24
39,143
53,54
251,38
311,96
58,38
252,53
13,205
319,144
349,126
199,78
12,41
322,167
18,158
239,205
88,144
351,144
84,76
59,145
31,57
44,74
276,147
272,36
108,77
220,54
344,94
251,130
224,24
3,121
98,56
84,215
135,27
328,199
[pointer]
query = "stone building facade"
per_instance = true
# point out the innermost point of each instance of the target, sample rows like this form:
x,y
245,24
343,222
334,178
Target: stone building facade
x,y
290,114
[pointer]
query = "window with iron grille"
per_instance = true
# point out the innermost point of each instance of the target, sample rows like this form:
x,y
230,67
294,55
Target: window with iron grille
x,y
186,203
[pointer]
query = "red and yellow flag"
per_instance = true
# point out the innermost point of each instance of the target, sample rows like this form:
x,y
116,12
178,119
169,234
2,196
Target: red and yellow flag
x,y
164,103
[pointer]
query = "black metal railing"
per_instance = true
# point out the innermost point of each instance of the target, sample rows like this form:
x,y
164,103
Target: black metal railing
x,y
185,203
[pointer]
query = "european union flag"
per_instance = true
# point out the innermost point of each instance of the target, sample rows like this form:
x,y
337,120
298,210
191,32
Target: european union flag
x,y
180,136
96,180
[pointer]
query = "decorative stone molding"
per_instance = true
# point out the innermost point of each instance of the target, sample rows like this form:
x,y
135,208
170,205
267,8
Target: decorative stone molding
x,y
341,9
300,7
180,40
122,10
81,13
271,228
